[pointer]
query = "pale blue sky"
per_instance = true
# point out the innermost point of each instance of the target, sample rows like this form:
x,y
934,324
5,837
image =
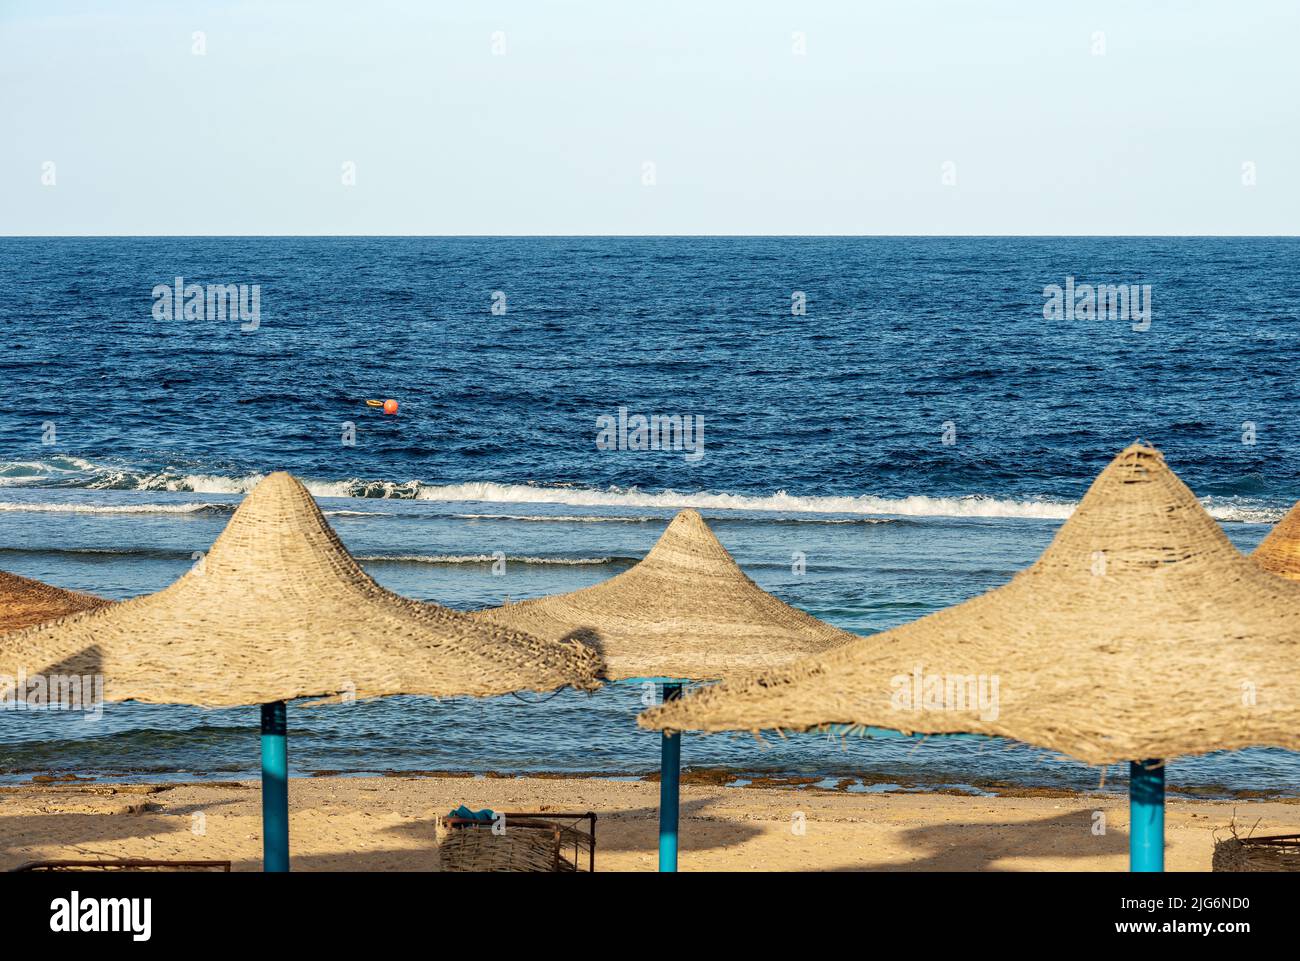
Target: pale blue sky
x,y
747,137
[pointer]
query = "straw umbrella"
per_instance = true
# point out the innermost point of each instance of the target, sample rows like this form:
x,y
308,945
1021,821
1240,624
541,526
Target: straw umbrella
x,y
1279,552
277,610
24,602
1140,632
685,612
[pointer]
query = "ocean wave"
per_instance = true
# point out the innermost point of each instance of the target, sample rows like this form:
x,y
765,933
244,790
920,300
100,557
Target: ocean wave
x,y
833,520
33,472
176,483
645,518
1242,513
562,518
489,559
917,505
154,552
449,559
70,508
862,505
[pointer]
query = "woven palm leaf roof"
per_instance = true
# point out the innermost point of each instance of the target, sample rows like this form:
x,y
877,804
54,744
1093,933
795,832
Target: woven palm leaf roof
x,y
279,609
24,602
1279,552
1141,632
684,611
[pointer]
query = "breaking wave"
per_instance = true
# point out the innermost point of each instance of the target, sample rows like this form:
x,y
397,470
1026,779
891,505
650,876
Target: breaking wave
x,y
490,558
74,472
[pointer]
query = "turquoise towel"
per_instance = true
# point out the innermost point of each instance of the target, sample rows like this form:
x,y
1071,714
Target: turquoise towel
x,y
463,812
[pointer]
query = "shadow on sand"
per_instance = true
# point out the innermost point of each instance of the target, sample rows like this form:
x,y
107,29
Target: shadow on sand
x,y
978,847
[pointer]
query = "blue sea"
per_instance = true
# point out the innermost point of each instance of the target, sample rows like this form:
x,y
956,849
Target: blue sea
x,y
898,411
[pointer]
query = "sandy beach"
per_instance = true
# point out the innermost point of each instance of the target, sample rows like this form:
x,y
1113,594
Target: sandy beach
x,y
386,824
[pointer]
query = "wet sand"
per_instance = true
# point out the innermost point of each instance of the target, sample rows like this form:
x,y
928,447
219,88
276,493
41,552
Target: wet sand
x,y
387,824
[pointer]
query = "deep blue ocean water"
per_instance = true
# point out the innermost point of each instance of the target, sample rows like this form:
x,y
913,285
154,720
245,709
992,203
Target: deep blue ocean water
x,y
126,439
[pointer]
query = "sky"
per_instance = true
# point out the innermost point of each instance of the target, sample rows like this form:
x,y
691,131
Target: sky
x,y
672,117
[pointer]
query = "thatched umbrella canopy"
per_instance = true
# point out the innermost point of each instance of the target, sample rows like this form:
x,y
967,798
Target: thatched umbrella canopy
x,y
1141,632
1279,552
24,602
277,610
684,612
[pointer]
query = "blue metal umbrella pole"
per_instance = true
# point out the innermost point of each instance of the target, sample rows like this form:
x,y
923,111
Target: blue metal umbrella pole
x,y
275,788
1146,804
670,769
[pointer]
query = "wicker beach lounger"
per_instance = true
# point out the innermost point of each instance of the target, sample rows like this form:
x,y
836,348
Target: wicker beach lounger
x,y
1280,852
550,842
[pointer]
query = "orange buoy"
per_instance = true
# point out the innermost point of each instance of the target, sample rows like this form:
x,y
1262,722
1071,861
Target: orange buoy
x,y
390,406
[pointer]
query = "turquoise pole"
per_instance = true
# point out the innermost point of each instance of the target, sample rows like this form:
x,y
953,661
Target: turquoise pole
x,y
275,788
1146,805
670,768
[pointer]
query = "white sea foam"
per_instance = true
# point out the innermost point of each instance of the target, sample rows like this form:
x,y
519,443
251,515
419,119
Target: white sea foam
x,y
918,505
565,518
645,518
68,508
572,496
198,483
1242,513
62,470
483,559
27,472
779,501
